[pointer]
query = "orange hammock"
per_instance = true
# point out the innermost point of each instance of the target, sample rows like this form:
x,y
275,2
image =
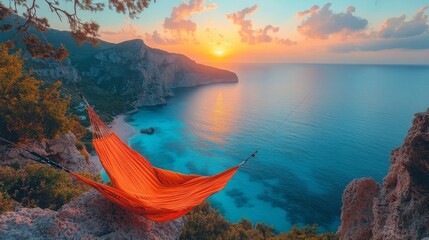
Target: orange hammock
x,y
157,194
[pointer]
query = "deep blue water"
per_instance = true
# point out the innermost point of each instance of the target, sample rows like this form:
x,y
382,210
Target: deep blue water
x,y
345,128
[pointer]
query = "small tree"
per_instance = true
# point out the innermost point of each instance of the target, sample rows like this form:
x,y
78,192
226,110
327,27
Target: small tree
x,y
29,110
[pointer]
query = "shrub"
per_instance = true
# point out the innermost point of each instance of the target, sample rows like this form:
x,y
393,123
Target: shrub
x,y
37,185
204,222
306,233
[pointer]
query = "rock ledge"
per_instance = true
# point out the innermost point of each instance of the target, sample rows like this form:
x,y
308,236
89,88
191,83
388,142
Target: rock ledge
x,y
90,216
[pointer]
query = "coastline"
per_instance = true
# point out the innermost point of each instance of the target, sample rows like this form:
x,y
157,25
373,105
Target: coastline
x,y
124,131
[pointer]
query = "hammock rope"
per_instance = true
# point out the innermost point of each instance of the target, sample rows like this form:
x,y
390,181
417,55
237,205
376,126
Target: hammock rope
x,y
39,158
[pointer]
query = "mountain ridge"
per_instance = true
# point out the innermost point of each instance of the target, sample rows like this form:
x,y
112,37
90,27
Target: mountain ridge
x,y
144,75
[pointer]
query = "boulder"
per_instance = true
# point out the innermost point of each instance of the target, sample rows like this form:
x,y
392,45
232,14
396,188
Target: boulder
x,y
62,150
90,216
356,212
148,131
65,148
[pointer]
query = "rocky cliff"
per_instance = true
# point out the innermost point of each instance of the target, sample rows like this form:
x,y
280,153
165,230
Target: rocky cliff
x,y
400,208
145,75
62,150
90,216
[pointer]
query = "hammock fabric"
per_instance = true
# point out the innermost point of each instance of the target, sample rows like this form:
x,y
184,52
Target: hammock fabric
x,y
157,194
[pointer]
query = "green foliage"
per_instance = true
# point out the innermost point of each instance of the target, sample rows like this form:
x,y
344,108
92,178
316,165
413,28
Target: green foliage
x,y
37,185
5,202
28,109
305,233
204,222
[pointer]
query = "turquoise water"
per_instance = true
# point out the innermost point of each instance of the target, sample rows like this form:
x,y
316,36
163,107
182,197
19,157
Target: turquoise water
x,y
345,128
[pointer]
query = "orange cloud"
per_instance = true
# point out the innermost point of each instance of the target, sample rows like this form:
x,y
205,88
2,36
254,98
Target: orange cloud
x,y
252,36
179,27
179,21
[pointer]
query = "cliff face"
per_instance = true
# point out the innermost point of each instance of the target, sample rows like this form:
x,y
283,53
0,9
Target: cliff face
x,y
51,70
145,75
401,209
356,213
90,216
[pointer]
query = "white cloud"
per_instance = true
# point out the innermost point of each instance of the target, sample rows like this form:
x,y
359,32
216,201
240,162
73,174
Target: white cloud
x,y
394,33
398,27
322,22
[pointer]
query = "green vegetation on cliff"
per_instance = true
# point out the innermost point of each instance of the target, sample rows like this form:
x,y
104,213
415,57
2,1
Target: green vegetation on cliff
x,y
36,185
30,109
204,222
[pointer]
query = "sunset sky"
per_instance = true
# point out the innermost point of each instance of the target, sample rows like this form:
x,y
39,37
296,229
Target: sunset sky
x,y
338,31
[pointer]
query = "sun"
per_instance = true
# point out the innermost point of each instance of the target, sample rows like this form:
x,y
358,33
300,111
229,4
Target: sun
x,y
219,53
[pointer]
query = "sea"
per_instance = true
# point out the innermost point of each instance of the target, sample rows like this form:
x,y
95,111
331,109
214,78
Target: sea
x,y
316,128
